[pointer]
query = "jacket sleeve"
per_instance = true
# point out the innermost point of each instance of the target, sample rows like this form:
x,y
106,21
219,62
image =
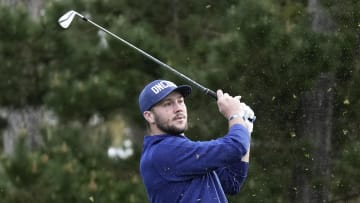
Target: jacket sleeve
x,y
180,158
233,177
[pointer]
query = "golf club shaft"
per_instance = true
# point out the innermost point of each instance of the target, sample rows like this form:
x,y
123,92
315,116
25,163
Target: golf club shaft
x,y
66,19
205,90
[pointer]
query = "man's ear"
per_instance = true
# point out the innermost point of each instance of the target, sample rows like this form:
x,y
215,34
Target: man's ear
x,y
149,117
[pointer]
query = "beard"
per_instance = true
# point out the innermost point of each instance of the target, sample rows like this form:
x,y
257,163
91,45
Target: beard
x,y
169,129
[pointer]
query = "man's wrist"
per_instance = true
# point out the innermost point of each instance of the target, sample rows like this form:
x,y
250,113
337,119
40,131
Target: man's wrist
x,y
237,118
231,117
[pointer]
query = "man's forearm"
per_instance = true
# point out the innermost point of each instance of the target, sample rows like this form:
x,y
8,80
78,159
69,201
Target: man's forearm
x,y
246,157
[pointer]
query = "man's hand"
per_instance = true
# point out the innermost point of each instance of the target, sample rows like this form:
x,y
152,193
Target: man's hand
x,y
234,110
229,105
249,113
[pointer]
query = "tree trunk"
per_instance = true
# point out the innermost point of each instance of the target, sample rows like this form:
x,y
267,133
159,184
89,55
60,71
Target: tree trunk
x,y
311,181
321,21
34,6
315,127
25,122
175,19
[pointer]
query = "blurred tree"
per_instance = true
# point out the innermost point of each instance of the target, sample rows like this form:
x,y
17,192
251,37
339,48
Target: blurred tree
x,y
315,126
346,142
267,51
23,76
71,167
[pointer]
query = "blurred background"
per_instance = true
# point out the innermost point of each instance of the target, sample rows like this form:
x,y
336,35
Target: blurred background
x,y
71,130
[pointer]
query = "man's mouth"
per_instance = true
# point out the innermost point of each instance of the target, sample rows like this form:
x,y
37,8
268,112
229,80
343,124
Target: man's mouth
x,y
179,118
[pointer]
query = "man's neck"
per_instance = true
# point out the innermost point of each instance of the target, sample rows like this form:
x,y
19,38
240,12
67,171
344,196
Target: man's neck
x,y
157,131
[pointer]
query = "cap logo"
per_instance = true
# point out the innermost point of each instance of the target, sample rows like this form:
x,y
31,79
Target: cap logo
x,y
158,87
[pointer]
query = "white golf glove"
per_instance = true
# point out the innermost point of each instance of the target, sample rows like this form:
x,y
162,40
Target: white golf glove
x,y
249,117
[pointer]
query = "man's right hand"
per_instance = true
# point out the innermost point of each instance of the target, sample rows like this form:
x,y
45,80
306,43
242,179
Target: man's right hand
x,y
235,111
229,105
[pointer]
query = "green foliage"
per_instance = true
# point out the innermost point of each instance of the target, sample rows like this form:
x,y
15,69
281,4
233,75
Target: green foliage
x,y
73,166
262,50
346,185
22,70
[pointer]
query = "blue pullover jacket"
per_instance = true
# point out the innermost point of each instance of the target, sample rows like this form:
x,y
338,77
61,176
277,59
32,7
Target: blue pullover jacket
x,y
177,170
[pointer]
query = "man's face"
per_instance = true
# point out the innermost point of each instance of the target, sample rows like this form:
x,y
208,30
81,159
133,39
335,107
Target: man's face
x,y
170,115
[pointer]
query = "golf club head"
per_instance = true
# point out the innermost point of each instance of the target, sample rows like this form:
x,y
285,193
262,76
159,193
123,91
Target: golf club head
x,y
66,19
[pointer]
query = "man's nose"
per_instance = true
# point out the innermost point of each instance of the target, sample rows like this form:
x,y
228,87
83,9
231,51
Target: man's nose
x,y
178,107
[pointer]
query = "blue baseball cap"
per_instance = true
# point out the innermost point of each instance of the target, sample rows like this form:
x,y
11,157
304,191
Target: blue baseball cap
x,y
157,90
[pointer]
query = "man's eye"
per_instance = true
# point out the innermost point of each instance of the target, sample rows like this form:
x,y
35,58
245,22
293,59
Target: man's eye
x,y
167,104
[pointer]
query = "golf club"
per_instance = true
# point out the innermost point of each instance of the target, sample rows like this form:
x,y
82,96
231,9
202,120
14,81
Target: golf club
x,y
66,19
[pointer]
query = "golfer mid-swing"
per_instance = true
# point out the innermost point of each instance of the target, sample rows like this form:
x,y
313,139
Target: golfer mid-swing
x,y
174,168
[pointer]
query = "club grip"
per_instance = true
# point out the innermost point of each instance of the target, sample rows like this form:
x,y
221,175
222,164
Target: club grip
x,y
211,93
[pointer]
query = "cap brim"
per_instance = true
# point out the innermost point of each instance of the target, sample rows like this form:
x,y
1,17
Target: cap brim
x,y
184,90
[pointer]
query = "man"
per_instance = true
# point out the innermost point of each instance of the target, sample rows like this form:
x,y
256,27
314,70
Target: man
x,y
175,169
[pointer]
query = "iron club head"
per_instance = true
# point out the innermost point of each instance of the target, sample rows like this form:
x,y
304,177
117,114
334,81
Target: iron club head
x,y
66,19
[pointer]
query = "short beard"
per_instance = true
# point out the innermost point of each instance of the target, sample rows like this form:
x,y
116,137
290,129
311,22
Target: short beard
x,y
169,129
